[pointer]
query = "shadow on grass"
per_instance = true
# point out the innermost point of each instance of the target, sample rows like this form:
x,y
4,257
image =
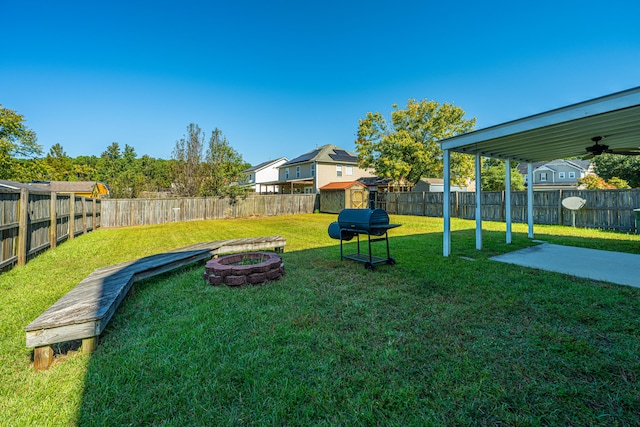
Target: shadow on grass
x,y
431,340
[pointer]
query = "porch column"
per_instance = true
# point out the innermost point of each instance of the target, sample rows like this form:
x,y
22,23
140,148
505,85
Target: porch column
x,y
478,202
446,206
530,198
507,199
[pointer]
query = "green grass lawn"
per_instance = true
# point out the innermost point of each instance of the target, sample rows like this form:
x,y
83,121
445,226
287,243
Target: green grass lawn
x,y
429,341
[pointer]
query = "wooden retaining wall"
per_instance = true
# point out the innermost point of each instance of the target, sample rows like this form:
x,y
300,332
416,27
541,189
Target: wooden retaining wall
x,y
32,221
130,212
605,209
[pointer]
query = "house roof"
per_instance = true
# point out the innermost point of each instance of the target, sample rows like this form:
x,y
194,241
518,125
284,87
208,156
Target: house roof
x,y
65,186
577,164
264,165
13,185
326,154
341,185
558,134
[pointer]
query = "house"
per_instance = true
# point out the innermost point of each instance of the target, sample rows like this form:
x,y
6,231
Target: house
x,y
259,175
557,174
436,185
92,189
318,167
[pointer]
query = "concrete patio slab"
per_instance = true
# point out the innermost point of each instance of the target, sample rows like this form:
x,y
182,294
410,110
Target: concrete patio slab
x,y
615,267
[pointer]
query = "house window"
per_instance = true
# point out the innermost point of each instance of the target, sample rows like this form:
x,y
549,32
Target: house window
x,y
349,170
543,176
338,170
572,174
561,175
286,173
250,178
297,171
313,169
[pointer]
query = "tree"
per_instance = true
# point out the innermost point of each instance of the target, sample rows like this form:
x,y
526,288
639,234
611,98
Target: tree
x,y
223,168
16,140
59,165
594,182
615,165
186,169
119,170
494,176
407,146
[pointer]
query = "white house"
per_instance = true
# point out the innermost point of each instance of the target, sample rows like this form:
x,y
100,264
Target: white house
x,y
259,176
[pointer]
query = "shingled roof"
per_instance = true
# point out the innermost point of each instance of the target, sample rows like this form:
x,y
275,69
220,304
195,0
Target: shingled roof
x,y
326,154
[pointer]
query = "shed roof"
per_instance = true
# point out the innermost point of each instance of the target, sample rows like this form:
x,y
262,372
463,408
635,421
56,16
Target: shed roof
x,y
561,133
341,185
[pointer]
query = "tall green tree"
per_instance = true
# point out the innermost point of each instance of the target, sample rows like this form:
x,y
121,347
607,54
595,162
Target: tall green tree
x,y
494,176
186,169
610,166
59,165
16,141
407,145
223,168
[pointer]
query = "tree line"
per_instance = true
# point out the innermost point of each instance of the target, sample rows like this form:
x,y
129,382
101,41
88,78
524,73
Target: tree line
x,y
197,168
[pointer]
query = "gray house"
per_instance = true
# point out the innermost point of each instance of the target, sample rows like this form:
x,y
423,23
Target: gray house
x,y
557,173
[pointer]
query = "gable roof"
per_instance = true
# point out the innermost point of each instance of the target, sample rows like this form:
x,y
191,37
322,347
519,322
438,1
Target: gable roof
x,y
326,154
577,164
264,165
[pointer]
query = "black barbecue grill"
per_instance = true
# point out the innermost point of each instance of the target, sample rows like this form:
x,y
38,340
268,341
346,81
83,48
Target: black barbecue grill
x,y
354,222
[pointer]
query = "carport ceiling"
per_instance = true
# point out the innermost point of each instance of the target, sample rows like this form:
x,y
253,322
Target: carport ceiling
x,y
559,134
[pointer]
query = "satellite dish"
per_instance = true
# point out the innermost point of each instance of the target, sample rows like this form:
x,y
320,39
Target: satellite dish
x,y
573,204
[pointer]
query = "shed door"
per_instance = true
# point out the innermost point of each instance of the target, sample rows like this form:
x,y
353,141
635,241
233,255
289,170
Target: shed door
x,y
358,198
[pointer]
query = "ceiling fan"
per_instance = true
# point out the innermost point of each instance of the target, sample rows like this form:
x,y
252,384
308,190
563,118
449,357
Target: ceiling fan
x,y
596,149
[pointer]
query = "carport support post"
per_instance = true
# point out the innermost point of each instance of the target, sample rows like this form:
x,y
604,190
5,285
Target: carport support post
x,y
478,201
446,205
530,198
507,199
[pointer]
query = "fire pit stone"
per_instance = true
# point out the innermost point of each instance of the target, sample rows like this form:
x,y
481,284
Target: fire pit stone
x,y
241,269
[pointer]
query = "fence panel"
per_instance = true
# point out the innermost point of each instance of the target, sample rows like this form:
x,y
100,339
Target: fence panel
x,y
128,212
32,221
604,209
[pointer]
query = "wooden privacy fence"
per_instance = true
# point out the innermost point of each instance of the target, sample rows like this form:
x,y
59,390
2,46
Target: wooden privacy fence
x,y
32,221
605,209
129,212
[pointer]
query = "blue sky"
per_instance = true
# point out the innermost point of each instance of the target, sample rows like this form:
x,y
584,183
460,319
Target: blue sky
x,y
282,77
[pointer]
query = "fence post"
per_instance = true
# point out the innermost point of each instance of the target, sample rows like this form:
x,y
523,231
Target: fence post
x,y
560,207
23,226
53,221
72,215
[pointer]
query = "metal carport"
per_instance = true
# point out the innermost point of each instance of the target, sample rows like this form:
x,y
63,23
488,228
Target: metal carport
x,y
556,134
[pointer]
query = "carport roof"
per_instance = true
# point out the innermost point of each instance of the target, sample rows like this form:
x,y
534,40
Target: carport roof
x,y
558,134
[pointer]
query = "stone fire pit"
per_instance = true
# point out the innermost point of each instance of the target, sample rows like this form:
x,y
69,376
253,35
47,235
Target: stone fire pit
x,y
249,268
